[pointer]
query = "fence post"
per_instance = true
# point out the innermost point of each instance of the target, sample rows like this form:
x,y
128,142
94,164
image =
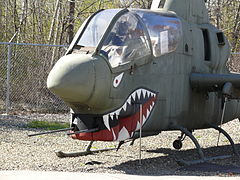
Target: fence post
x,y
8,78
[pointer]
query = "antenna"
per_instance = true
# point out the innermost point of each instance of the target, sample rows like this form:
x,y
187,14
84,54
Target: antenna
x,y
140,136
222,117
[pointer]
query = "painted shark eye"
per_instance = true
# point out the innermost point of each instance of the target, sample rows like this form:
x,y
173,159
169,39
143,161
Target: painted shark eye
x,y
117,80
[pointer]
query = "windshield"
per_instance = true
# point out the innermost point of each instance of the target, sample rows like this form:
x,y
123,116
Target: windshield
x,y
97,27
126,41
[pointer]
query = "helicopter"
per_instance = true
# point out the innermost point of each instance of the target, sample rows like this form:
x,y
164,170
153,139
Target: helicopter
x,y
133,73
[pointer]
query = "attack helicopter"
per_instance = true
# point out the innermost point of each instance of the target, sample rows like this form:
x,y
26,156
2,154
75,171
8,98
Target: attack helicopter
x,y
132,73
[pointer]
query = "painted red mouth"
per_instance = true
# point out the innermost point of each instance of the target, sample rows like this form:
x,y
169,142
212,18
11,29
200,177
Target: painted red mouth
x,y
121,124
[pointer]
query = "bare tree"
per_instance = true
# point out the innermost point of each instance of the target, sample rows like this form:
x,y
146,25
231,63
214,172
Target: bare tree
x,y
23,18
45,22
1,19
236,32
54,18
71,20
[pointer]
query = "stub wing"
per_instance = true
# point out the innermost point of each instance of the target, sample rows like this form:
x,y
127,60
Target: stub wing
x,y
227,84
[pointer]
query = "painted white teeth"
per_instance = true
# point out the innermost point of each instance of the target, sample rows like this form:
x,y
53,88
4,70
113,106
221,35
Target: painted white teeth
x,y
106,121
129,100
144,93
138,126
150,108
112,115
144,119
133,96
139,93
132,134
148,112
114,136
123,134
125,107
153,103
136,95
117,112
148,93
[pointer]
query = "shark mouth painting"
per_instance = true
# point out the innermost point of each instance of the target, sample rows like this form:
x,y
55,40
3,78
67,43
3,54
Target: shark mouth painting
x,y
117,125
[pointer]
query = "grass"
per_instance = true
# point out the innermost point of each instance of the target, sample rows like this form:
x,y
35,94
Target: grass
x,y
198,137
47,125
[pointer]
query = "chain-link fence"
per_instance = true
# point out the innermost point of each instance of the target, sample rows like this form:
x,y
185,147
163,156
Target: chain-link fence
x,y
23,73
234,63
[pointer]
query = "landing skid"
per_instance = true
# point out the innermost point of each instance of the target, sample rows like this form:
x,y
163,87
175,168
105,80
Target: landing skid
x,y
202,158
228,137
184,131
87,151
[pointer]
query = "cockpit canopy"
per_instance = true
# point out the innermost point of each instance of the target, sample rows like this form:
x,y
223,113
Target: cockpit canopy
x,y
96,28
165,31
126,41
125,35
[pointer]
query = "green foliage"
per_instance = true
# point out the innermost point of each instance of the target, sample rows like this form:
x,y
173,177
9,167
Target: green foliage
x,y
46,125
47,21
198,137
36,20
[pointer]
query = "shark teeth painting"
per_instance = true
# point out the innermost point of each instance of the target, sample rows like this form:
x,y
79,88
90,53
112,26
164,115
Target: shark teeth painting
x,y
121,123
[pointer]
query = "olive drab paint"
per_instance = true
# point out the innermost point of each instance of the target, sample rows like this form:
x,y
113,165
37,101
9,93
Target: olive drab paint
x,y
170,60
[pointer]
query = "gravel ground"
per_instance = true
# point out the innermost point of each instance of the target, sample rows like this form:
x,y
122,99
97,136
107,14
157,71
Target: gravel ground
x,y
20,152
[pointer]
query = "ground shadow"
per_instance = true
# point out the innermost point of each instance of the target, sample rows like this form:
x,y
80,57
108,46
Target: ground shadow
x,y
166,163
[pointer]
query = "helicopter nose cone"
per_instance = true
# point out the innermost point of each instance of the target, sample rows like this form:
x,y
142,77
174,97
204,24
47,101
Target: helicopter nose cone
x,y
72,78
